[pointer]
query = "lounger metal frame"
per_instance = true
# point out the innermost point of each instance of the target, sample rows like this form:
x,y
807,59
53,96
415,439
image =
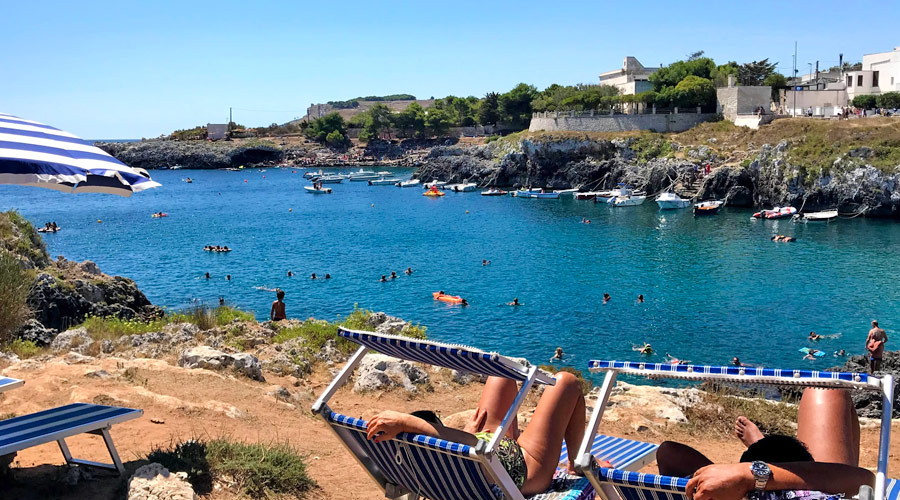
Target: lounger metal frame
x,y
7,383
482,453
742,375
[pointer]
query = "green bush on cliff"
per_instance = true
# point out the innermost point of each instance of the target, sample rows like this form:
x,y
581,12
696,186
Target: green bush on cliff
x,y
649,146
15,284
257,470
18,236
112,328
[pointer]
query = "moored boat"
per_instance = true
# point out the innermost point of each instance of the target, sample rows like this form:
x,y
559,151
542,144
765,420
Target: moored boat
x,y
434,183
494,192
462,187
535,193
823,216
622,190
313,190
566,192
363,175
707,208
383,182
775,213
330,179
627,200
409,183
671,201
587,195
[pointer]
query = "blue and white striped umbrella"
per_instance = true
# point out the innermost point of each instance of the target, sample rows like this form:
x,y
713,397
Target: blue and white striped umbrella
x,y
34,154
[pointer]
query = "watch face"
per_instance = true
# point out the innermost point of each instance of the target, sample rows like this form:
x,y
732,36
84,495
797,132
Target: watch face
x,y
760,469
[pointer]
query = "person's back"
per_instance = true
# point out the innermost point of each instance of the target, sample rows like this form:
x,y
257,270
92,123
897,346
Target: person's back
x,y
875,346
277,313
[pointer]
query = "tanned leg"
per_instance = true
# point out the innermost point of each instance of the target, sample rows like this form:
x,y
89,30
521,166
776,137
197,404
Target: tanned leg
x,y
828,425
496,399
679,460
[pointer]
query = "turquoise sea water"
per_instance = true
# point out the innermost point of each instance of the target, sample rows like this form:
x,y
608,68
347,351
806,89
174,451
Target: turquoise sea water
x,y
715,287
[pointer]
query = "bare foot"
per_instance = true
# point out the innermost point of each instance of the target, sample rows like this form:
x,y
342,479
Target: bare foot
x,y
747,431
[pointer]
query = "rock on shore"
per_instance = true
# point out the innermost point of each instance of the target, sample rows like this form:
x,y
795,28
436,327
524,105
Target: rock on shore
x,y
154,154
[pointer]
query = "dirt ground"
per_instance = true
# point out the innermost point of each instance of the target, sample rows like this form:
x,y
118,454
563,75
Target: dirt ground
x,y
181,403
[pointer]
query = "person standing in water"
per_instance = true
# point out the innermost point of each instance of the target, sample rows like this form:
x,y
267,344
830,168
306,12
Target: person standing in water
x,y
277,313
875,346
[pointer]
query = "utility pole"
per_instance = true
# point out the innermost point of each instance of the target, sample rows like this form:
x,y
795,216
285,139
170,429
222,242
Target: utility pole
x,y
794,107
229,119
817,75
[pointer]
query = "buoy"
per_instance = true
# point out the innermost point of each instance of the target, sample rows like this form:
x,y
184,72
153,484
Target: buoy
x,y
99,221
467,211
290,210
245,180
373,204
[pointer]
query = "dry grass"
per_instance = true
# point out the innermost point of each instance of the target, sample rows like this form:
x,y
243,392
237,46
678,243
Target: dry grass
x,y
717,413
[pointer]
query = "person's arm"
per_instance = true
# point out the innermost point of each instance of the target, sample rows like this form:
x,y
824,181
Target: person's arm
x,y
387,424
734,481
272,312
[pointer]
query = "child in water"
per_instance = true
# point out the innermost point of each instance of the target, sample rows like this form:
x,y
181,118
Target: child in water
x,y
277,313
558,355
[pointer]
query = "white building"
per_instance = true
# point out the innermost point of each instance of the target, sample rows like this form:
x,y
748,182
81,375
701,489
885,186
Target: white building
x,y
632,78
880,73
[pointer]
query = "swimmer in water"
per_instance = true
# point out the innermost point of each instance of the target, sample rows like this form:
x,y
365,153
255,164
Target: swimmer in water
x,y
814,337
408,271
558,355
736,362
485,262
327,276
290,274
840,354
643,349
640,299
672,360
384,280
515,302
811,354
207,276
313,277
221,301
228,277
464,302
393,275
606,298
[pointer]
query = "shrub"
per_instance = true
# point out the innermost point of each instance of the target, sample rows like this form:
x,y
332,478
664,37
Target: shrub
x,y
206,317
491,138
15,284
111,328
650,146
22,348
258,470
863,101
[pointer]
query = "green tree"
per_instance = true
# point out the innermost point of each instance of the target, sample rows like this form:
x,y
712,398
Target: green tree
x,y
489,109
720,76
15,284
777,81
755,73
411,121
695,91
863,101
890,100
515,105
335,139
670,75
437,122
327,126
378,122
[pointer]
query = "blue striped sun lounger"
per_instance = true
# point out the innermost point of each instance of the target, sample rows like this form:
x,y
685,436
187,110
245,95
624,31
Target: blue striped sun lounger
x,y
615,483
57,424
442,470
7,383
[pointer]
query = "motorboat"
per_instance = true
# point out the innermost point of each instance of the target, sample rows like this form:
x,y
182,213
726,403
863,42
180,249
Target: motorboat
x,y
329,179
627,200
587,195
494,192
363,175
309,174
434,183
49,229
536,193
707,208
315,190
823,216
466,187
384,173
622,190
671,201
775,213
383,182
566,192
409,183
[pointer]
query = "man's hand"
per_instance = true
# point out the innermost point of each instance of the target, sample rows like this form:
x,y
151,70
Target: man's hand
x,y
386,425
721,482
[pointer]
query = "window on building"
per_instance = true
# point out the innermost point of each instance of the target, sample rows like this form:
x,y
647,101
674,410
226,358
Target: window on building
x,y
859,80
874,78
849,81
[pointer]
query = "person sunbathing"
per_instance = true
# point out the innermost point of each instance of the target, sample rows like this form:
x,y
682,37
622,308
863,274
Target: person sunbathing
x,y
823,458
531,455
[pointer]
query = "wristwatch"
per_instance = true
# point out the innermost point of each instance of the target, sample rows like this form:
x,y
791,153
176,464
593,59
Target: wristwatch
x,y
761,473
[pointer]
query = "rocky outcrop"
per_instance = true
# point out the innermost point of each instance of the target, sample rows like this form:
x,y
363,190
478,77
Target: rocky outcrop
x,y
155,482
154,154
212,359
868,403
379,372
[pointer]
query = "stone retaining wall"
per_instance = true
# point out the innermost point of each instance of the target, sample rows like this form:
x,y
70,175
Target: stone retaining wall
x,y
670,122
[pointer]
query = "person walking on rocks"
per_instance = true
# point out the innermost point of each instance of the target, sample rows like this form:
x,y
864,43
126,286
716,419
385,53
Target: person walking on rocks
x,y
875,346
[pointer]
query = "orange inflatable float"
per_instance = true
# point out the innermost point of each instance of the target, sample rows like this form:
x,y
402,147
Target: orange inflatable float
x,y
452,299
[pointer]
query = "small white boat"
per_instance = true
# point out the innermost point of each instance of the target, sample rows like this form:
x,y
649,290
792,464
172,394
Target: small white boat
x,y
383,182
409,183
309,174
535,193
384,173
466,187
775,213
566,192
627,201
494,192
434,183
707,208
363,175
313,190
670,201
330,179
823,216
622,190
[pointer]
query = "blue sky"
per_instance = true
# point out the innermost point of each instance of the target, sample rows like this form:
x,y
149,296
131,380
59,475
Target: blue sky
x,y
132,69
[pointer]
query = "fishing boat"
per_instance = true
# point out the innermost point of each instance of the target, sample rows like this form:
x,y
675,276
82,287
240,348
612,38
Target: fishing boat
x,y
535,193
707,208
627,200
622,190
314,190
329,179
494,192
566,192
363,175
466,187
409,183
775,213
823,216
434,183
671,201
383,182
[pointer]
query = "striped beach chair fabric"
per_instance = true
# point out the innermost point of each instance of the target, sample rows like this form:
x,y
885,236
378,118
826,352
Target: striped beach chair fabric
x,y
7,383
428,467
57,424
615,483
